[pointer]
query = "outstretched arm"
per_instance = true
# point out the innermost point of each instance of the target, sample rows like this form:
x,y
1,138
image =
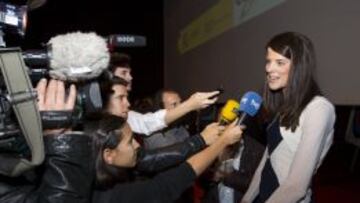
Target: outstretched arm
x,y
168,186
200,161
197,101
151,122
156,160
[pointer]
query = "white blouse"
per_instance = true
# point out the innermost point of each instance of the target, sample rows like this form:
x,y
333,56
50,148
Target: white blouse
x,y
296,159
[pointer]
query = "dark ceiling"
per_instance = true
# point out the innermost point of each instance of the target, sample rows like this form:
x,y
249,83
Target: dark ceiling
x,y
105,17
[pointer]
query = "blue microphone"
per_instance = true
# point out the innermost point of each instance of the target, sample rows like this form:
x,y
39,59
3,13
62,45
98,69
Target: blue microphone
x,y
250,104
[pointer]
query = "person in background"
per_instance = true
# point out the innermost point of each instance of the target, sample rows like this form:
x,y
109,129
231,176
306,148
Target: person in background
x,y
176,132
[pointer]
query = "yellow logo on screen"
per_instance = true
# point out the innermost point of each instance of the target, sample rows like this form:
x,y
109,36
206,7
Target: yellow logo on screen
x,y
218,19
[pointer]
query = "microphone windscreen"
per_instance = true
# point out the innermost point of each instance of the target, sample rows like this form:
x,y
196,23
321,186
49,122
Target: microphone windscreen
x,y
250,103
230,111
78,56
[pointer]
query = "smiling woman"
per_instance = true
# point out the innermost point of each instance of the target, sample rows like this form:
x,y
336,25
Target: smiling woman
x,y
301,123
277,69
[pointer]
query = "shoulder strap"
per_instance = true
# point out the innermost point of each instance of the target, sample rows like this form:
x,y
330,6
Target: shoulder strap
x,y
22,98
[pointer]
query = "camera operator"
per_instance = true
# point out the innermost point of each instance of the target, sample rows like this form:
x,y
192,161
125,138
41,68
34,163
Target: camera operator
x,y
151,122
67,174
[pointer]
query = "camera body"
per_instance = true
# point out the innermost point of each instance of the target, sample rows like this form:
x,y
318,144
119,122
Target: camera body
x,y
88,101
21,123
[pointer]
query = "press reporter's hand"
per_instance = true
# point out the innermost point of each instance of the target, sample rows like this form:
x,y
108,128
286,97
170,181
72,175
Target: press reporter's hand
x,y
200,100
211,133
51,97
232,133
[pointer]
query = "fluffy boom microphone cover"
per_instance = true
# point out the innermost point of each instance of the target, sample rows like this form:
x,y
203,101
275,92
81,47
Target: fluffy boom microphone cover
x,y
78,56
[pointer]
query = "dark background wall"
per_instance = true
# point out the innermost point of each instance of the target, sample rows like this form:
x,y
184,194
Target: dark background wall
x,y
235,60
105,17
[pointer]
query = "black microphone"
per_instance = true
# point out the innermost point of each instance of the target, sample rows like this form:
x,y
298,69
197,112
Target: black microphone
x,y
124,40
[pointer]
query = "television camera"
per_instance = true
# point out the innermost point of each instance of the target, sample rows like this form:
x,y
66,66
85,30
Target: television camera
x,y
79,58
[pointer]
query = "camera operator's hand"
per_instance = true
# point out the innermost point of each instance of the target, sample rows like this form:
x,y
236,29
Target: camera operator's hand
x,y
51,97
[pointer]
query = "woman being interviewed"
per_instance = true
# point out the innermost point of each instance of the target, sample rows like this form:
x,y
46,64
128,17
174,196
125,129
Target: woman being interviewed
x,y
300,130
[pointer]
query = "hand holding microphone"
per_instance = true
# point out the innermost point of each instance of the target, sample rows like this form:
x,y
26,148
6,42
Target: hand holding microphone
x,y
211,133
201,100
250,104
232,133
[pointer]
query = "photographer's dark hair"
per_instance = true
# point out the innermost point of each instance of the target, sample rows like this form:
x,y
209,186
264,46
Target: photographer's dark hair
x,y
119,60
107,135
106,88
301,86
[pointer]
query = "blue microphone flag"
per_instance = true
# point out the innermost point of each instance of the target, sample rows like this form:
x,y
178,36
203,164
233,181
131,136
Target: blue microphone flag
x,y
250,103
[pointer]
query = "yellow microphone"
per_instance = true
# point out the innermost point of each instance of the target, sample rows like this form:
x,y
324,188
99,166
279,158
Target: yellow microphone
x,y
229,112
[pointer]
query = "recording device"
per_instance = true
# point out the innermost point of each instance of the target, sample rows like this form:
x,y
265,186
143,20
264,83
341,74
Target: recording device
x,y
39,61
220,89
75,57
125,40
250,104
79,58
229,112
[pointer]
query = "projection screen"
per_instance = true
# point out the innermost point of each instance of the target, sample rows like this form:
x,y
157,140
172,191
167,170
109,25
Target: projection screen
x,y
216,43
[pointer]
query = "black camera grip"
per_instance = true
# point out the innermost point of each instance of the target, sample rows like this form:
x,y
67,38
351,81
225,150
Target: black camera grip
x,y
56,119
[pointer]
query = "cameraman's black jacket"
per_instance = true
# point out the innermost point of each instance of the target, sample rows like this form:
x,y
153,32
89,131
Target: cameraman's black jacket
x,y
156,160
67,177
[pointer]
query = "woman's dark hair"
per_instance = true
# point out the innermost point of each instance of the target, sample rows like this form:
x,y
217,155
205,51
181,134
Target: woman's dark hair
x,y
107,135
301,86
